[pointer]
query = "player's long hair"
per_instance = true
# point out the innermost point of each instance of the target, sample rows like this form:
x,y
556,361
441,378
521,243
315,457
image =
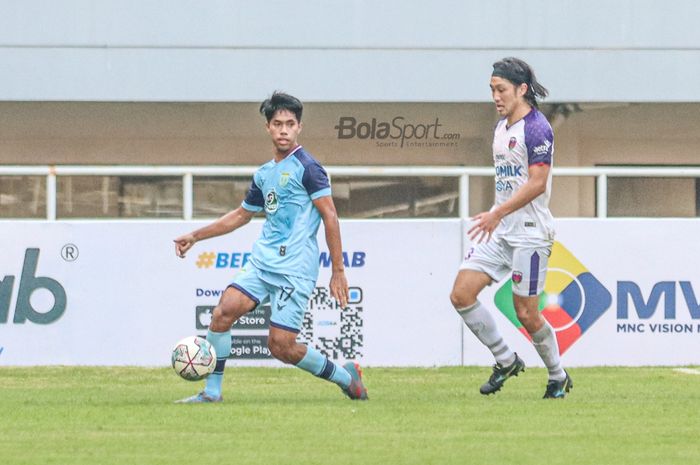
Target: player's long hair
x,y
518,72
281,101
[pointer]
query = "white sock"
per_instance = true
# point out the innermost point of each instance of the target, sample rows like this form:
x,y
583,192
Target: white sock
x,y
545,341
480,321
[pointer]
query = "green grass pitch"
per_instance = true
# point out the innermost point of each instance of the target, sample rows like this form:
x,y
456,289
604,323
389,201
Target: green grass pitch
x,y
86,415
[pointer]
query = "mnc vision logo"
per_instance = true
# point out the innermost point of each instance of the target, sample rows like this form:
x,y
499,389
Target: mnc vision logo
x,y
573,299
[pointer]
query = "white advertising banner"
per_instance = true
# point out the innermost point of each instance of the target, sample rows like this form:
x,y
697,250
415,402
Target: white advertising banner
x,y
114,293
619,292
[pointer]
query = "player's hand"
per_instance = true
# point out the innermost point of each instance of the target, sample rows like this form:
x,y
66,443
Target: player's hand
x,y
339,288
183,244
485,223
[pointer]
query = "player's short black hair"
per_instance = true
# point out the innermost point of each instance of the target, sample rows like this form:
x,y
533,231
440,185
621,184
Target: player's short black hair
x,y
518,72
281,101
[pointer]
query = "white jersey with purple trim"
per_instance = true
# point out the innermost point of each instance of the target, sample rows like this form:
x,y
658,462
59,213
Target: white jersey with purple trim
x,y
530,141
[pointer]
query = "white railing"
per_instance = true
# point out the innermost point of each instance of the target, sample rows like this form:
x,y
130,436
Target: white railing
x,y
463,173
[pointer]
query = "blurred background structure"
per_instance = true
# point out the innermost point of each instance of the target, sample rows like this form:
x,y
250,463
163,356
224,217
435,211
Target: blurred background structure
x,y
177,84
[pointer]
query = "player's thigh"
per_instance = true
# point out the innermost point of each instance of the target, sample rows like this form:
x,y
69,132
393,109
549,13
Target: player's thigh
x,y
485,263
467,286
234,304
245,293
529,270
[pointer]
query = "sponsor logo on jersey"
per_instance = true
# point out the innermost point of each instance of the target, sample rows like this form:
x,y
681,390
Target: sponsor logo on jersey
x,y
572,301
504,186
271,202
542,149
509,171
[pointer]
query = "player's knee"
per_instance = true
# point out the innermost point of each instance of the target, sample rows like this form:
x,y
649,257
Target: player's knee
x,y
461,299
221,321
280,348
529,319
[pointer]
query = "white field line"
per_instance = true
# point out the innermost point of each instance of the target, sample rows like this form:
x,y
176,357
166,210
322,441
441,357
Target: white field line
x,y
688,371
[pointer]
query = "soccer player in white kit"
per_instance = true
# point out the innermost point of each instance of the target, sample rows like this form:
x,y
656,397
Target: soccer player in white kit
x,y
516,235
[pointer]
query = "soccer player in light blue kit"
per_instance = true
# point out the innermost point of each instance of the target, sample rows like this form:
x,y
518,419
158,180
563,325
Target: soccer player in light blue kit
x,y
294,191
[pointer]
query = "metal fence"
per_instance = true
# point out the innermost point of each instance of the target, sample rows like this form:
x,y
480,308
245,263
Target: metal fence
x,y
463,174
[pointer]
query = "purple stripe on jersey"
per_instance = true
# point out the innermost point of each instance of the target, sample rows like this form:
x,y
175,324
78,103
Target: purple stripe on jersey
x,y
251,296
254,196
539,138
314,178
534,273
286,328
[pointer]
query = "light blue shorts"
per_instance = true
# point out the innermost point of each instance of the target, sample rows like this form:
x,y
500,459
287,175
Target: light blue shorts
x,y
288,295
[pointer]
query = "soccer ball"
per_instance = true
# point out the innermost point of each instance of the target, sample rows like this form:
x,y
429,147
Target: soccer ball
x,y
193,358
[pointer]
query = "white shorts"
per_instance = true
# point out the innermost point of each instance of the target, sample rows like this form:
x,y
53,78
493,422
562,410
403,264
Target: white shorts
x,y
496,258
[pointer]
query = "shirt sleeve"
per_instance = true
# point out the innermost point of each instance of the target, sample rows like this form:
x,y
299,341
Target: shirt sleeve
x,y
253,201
315,181
539,140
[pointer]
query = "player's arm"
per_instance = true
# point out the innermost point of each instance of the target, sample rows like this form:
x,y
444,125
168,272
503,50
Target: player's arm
x,y
486,222
231,221
339,283
227,223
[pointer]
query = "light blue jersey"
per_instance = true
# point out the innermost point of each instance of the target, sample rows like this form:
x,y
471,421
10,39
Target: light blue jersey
x,y
285,190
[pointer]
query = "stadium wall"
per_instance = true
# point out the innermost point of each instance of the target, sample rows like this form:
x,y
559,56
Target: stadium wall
x,y
657,134
167,82
619,292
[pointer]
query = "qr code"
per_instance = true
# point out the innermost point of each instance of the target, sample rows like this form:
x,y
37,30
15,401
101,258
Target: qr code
x,y
335,332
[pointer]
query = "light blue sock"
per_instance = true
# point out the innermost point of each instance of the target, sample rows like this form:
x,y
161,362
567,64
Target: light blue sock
x,y
222,346
315,363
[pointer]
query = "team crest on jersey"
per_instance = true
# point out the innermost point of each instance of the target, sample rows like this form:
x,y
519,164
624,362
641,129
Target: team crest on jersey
x,y
512,143
271,202
517,277
284,179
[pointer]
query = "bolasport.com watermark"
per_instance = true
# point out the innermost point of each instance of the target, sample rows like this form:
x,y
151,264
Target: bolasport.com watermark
x,y
397,132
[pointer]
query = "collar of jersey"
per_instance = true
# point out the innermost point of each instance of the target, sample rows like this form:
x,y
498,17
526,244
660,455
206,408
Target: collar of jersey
x,y
521,119
287,156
